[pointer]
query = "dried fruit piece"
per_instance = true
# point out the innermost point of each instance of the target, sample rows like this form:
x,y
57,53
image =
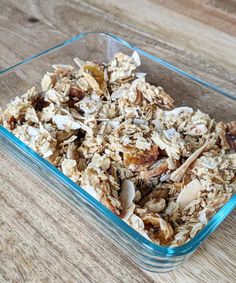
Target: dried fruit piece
x,y
97,73
12,123
141,159
160,167
76,92
38,101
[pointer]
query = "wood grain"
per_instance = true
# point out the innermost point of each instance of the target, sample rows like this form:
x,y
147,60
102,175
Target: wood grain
x,y
186,31
42,238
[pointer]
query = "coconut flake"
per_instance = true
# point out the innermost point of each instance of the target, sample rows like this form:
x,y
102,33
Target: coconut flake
x,y
30,115
113,124
46,82
197,130
157,124
189,193
95,97
140,122
118,93
136,59
33,132
178,110
170,133
65,122
47,153
68,166
142,143
53,96
127,194
202,217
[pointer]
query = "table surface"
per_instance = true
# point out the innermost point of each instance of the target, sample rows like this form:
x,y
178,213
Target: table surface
x,y
42,238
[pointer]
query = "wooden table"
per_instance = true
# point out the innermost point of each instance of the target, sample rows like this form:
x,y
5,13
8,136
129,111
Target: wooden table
x,y
42,239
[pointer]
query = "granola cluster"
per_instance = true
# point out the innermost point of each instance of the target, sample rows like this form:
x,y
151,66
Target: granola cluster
x,y
163,170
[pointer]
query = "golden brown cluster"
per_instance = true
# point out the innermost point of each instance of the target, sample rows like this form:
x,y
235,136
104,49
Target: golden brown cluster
x,y
163,170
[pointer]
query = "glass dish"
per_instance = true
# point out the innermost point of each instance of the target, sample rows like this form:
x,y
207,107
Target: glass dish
x,y
186,90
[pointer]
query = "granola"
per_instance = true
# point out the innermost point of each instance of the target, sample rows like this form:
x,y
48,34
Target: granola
x,y
164,170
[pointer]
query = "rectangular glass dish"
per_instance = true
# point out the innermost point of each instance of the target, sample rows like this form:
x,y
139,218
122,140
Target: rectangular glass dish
x,y
184,88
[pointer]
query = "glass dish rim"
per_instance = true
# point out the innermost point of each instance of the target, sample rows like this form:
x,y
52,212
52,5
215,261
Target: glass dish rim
x,y
185,249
